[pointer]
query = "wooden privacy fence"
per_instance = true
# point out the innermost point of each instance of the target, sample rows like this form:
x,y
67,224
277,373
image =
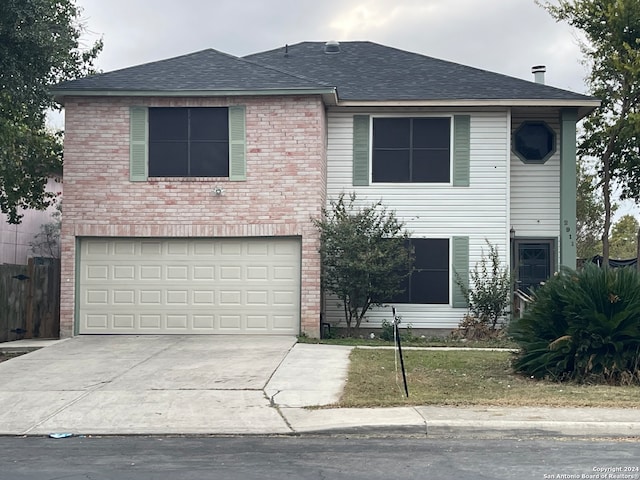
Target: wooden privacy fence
x,y
30,300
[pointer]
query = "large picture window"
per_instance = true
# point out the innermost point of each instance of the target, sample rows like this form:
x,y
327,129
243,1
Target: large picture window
x,y
189,142
429,281
411,150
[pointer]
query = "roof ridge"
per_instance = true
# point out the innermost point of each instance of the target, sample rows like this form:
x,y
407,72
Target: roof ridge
x,y
219,52
290,74
255,73
441,61
184,55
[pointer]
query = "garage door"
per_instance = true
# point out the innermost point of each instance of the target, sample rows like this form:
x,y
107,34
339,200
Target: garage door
x,y
186,286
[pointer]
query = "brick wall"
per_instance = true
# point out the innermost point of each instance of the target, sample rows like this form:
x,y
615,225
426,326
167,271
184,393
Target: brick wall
x,y
285,186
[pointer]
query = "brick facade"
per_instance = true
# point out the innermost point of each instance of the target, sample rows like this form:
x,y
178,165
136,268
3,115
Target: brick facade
x,y
284,189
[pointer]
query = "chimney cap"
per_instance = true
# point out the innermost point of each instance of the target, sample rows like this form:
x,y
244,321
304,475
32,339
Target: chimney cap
x,y
538,73
332,47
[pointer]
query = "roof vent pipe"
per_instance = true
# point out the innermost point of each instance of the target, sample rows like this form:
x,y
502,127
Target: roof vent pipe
x,y
332,47
538,73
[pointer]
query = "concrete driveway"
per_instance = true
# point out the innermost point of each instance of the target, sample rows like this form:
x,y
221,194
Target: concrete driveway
x,y
165,384
229,385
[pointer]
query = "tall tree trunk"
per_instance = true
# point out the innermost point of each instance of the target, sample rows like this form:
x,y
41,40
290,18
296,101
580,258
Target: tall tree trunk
x,y
606,195
606,179
347,316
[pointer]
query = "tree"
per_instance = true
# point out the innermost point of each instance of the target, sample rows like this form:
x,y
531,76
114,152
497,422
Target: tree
x,y
589,212
624,238
365,256
47,242
611,29
39,47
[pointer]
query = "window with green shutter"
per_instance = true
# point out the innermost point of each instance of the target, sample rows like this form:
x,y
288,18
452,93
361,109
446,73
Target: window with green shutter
x,y
412,150
430,280
187,142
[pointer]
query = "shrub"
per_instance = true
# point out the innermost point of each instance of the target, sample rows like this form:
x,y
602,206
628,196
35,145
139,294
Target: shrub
x,y
364,254
488,296
583,326
472,328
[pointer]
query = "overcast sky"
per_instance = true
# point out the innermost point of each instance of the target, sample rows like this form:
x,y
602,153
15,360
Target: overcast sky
x,y
504,36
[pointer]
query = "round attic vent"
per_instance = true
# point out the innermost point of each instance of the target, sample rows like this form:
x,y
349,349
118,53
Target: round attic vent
x,y
332,47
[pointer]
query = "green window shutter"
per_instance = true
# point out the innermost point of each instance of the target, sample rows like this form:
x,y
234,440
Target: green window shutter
x,y
237,144
361,150
460,262
138,148
461,150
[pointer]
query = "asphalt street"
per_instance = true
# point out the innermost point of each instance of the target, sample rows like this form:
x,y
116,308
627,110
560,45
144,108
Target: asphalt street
x,y
308,457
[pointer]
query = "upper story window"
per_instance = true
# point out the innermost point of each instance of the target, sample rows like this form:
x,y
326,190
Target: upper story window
x,y
534,142
189,142
411,150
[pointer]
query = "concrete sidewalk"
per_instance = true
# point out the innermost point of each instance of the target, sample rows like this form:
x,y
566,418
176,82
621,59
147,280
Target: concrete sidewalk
x,y
230,386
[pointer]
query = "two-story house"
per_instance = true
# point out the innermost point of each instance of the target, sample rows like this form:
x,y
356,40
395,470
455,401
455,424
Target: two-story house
x,y
191,183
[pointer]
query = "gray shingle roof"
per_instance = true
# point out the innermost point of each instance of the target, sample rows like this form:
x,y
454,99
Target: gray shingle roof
x,y
362,71
207,70
370,71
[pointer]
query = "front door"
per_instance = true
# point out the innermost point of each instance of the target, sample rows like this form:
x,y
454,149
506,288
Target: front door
x,y
535,262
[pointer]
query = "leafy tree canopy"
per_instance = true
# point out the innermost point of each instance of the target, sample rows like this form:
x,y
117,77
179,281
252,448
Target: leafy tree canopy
x,y
40,45
624,238
611,31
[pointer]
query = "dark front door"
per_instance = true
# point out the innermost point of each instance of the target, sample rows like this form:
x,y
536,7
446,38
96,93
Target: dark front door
x,y
534,263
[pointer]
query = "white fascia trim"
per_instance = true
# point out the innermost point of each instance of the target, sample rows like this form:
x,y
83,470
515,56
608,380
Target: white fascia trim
x,y
470,103
329,95
584,107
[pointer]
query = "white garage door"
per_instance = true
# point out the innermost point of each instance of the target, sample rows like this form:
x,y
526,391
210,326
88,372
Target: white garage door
x,y
186,286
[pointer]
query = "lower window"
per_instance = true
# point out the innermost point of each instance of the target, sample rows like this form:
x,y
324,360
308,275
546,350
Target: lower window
x,y
429,281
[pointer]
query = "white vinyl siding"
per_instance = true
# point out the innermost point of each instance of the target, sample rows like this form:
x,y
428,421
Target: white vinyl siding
x,y
535,188
433,210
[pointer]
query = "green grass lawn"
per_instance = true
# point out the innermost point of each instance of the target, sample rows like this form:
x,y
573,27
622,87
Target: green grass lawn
x,y
465,378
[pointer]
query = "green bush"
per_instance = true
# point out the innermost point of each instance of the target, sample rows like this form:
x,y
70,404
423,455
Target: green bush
x,y
583,326
365,256
488,297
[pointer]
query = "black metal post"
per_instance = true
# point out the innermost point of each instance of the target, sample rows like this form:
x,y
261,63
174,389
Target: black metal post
x,y
396,321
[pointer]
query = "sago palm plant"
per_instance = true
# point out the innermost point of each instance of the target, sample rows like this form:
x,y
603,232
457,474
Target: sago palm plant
x,y
583,326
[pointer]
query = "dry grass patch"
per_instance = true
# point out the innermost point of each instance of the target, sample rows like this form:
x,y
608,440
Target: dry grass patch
x,y
466,378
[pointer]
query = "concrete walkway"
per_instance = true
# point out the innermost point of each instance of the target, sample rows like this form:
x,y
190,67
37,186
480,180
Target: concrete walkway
x,y
229,385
